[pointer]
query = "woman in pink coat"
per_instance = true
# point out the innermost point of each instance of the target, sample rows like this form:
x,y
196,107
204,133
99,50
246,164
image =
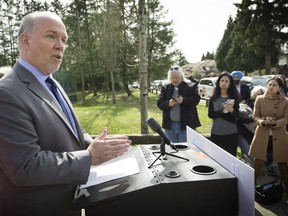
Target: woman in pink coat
x,y
271,116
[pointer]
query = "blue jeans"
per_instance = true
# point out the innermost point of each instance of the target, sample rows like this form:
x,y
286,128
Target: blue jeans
x,y
244,146
176,134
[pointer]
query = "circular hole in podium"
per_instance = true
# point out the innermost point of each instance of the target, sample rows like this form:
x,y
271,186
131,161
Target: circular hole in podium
x,y
181,147
203,170
154,147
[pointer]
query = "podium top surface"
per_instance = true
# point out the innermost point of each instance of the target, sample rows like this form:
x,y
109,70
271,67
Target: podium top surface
x,y
167,169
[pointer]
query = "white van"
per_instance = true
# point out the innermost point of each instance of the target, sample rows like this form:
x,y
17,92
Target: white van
x,y
206,86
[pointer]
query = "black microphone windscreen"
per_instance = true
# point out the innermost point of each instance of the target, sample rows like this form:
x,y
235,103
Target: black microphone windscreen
x,y
153,124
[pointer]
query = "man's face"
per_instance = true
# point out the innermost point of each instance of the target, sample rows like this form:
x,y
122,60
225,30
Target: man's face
x,y
187,73
44,47
236,80
175,79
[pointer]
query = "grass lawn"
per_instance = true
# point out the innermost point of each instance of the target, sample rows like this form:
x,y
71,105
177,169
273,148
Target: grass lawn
x,y
124,116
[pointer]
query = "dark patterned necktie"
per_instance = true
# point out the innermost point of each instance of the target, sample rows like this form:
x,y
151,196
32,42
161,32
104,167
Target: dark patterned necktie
x,y
64,106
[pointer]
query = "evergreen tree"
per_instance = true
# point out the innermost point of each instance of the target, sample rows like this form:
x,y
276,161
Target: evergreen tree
x,y
179,58
203,57
265,30
224,46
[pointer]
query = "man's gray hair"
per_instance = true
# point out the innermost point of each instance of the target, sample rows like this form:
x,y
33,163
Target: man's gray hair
x,y
257,88
31,20
178,71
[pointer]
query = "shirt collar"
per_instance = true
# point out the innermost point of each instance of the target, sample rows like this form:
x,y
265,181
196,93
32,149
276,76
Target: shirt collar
x,y
41,77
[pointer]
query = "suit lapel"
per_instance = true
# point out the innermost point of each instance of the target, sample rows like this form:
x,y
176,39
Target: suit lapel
x,y
36,87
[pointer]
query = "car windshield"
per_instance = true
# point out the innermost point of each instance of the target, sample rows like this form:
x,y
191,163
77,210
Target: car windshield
x,y
262,81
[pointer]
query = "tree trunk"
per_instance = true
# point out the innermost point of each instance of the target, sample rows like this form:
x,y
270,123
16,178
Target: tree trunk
x,y
81,61
267,63
143,66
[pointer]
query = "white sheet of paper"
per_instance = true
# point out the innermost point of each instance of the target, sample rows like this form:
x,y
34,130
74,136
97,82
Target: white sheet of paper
x,y
110,171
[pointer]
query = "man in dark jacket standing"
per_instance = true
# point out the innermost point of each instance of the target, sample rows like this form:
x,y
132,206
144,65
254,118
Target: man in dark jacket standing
x,y
245,96
243,89
189,76
178,100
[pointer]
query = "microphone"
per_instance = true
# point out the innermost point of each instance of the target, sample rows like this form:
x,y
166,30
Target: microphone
x,y
153,124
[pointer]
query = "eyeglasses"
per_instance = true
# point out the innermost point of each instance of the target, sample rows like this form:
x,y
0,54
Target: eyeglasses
x,y
174,68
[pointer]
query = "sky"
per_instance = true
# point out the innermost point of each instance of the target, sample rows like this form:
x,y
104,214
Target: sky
x,y
199,25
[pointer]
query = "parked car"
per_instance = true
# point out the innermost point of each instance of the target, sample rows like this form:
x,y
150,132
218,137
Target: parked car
x,y
256,80
206,86
135,85
157,84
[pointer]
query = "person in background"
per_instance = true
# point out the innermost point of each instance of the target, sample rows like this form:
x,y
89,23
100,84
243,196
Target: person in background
x,y
284,89
284,70
44,152
189,76
255,92
178,102
245,95
224,114
243,89
271,166
247,123
271,116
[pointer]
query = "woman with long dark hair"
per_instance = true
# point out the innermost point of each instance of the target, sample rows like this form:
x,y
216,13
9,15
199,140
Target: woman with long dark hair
x,y
224,110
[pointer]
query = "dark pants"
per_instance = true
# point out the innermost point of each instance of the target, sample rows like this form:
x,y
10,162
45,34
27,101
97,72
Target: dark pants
x,y
227,142
269,152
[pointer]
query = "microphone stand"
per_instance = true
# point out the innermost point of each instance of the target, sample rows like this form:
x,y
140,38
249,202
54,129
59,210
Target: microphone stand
x,y
163,153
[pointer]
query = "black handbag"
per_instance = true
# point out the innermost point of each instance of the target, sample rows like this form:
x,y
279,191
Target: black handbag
x,y
270,192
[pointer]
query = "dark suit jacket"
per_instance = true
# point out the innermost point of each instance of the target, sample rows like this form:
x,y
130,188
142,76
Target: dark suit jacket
x,y
244,92
41,160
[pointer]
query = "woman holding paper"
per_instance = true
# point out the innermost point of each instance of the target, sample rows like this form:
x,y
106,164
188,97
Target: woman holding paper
x,y
224,110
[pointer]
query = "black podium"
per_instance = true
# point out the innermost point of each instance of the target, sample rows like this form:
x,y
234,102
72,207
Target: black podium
x,y
171,186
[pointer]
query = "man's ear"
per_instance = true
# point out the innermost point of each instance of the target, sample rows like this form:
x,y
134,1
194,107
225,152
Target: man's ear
x,y
24,39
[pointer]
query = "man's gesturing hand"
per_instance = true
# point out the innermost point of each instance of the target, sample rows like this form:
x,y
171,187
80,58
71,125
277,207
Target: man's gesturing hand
x,y
104,148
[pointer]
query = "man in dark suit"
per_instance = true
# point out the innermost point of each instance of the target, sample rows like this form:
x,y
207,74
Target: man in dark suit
x,y
243,89
44,154
245,96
